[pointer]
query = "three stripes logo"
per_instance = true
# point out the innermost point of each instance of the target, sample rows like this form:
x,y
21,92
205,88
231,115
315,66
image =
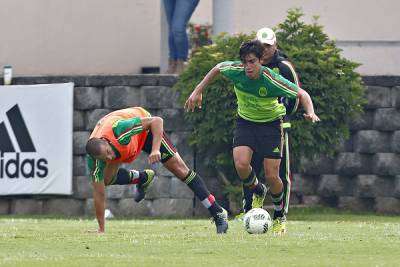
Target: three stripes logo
x,y
12,164
20,130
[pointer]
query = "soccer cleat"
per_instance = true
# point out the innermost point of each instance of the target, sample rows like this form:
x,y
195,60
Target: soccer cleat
x,y
258,201
221,221
240,217
279,226
142,188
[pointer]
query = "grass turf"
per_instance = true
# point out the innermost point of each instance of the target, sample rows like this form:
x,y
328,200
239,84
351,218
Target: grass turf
x,y
316,237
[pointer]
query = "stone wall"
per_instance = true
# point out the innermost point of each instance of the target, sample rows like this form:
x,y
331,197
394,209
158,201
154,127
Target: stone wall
x,y
365,175
95,96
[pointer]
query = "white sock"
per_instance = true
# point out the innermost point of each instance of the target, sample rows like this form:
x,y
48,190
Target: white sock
x,y
135,174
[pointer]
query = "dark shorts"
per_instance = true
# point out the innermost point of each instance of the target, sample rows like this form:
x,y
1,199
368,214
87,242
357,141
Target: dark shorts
x,y
264,138
167,149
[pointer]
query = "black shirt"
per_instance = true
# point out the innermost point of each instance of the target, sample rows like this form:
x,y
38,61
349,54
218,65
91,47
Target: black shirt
x,y
281,65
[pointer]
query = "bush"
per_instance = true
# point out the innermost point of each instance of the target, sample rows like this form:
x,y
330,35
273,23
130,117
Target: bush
x,y
331,80
335,88
199,35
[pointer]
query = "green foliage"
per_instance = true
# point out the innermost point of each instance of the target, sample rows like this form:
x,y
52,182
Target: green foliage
x,y
334,86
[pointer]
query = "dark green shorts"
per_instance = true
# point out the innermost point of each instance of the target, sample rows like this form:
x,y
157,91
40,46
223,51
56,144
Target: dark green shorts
x,y
265,138
167,149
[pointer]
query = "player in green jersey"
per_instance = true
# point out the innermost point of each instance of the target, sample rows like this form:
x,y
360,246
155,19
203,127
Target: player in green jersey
x,y
276,60
259,123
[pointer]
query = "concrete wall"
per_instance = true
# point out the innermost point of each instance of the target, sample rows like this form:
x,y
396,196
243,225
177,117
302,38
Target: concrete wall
x,y
364,176
53,37
95,96
61,37
366,173
365,30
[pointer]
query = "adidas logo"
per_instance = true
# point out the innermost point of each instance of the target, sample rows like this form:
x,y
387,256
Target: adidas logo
x,y
14,167
276,150
20,132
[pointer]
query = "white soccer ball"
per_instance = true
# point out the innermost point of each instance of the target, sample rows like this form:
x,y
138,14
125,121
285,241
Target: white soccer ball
x,y
108,214
257,221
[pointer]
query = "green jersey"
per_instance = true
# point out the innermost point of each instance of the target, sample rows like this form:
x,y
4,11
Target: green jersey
x,y
257,99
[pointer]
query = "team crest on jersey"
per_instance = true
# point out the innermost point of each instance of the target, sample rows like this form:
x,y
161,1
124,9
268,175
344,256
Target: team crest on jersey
x,y
262,91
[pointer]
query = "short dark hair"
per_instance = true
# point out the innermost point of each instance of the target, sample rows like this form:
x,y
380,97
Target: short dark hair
x,y
93,146
252,46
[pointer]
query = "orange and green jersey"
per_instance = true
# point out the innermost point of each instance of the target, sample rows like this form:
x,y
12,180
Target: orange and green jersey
x,y
124,131
257,99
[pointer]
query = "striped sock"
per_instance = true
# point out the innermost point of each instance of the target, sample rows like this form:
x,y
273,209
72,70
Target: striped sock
x,y
247,198
277,200
125,177
252,183
197,185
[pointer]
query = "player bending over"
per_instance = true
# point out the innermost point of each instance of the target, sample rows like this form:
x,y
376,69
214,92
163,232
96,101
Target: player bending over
x,y
118,138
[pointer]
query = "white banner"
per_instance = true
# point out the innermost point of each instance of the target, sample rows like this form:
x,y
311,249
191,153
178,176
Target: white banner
x,y
36,127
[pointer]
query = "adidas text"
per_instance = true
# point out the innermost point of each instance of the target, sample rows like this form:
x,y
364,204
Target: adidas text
x,y
16,167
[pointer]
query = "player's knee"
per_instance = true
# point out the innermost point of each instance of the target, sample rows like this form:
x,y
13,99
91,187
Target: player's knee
x,y
181,172
241,165
177,166
274,179
178,33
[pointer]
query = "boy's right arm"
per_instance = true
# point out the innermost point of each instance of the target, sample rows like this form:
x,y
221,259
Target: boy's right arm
x,y
196,97
156,126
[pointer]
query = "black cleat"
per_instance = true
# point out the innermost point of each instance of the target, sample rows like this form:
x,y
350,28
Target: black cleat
x,y
221,221
142,188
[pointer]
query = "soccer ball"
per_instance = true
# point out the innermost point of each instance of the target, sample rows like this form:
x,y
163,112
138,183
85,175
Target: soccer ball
x,y
108,214
257,221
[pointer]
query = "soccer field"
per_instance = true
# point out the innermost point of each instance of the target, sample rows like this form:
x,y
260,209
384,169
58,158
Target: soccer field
x,y
316,237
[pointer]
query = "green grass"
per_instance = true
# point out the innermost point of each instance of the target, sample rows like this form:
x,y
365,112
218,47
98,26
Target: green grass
x,y
316,237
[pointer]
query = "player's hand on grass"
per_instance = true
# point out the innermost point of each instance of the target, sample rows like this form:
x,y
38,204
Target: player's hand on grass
x,y
155,156
193,101
311,117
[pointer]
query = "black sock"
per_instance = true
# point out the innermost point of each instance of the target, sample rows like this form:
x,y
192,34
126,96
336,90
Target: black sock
x,y
197,185
128,177
252,183
247,198
123,177
143,177
277,200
